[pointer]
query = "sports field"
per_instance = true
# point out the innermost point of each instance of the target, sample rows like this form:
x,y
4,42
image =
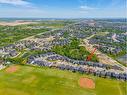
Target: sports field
x,y
29,80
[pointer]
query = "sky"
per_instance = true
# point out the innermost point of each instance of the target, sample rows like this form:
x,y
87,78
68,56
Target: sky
x,y
63,8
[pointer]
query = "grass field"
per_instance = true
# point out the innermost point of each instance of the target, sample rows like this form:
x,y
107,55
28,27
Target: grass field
x,y
29,80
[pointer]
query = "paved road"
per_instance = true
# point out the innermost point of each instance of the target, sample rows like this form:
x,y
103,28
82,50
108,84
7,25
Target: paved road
x,y
103,58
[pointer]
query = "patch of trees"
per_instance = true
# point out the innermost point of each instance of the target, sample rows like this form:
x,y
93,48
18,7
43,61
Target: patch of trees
x,y
74,51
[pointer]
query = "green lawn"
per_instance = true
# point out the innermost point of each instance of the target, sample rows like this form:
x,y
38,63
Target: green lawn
x,y
29,80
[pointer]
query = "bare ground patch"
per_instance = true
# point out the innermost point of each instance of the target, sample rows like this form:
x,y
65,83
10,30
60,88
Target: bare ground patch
x,y
16,23
86,83
12,69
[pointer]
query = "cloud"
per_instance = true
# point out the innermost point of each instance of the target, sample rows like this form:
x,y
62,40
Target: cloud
x,y
86,8
16,2
12,12
19,8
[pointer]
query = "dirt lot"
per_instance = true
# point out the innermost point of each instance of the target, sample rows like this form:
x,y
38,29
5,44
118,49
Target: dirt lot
x,y
86,83
16,23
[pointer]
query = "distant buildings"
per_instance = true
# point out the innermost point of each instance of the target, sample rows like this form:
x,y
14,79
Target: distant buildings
x,y
63,37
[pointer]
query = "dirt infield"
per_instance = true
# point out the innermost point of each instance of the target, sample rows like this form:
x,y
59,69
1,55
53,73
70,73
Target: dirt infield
x,y
12,69
86,83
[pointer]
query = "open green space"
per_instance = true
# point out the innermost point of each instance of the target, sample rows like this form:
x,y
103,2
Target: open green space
x,y
30,80
9,35
52,23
